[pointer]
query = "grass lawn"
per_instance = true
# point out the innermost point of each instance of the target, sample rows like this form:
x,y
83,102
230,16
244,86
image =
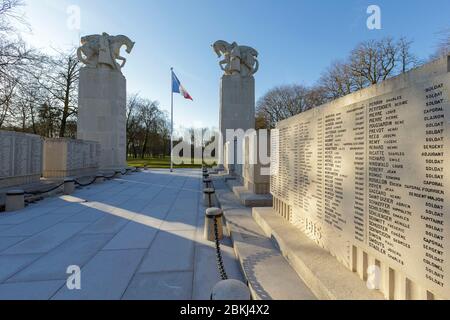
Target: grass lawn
x,y
158,163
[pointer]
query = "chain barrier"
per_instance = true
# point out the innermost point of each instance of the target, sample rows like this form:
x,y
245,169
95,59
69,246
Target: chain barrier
x,y
38,193
85,184
110,177
220,264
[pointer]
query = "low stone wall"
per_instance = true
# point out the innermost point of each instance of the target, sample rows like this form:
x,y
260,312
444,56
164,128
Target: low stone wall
x,y
70,158
20,158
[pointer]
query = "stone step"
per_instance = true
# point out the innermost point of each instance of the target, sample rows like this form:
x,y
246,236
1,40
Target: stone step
x,y
248,198
269,275
323,274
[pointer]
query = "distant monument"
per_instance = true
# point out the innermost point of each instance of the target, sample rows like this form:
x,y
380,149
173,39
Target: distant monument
x,y
102,96
237,89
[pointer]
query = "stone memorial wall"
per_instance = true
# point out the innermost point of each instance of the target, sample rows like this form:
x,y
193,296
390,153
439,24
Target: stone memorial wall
x,y
368,178
20,158
68,157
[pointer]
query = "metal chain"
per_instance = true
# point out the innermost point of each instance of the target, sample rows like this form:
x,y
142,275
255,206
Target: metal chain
x,y
110,177
37,193
220,265
85,184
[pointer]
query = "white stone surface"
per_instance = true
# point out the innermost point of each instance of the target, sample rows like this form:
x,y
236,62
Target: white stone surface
x,y
101,114
237,111
365,177
70,158
237,103
231,290
20,158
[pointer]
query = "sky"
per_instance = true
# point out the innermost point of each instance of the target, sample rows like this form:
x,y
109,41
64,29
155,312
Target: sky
x,y
296,39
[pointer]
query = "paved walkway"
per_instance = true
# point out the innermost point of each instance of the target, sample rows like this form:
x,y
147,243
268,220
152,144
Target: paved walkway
x,y
137,237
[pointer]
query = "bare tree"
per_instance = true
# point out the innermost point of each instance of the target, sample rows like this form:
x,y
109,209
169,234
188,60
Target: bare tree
x,y
59,76
338,80
374,61
283,102
406,58
10,11
149,113
369,63
443,47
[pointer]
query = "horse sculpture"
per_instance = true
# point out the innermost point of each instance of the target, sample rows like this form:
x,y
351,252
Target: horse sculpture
x,y
97,50
236,59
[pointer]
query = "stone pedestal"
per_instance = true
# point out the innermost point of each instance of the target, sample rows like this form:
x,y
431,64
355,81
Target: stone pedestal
x,y
70,158
255,191
69,186
237,108
20,158
15,200
102,114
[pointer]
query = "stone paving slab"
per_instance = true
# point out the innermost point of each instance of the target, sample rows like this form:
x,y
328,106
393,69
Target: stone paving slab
x,y
105,277
133,236
6,242
172,251
9,265
46,240
38,290
53,266
136,237
160,286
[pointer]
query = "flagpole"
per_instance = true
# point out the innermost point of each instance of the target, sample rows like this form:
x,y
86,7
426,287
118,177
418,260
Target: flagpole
x,y
171,119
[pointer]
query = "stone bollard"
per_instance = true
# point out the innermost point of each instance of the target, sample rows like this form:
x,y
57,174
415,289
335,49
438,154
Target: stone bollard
x,y
207,182
208,197
69,186
100,178
15,200
210,216
231,290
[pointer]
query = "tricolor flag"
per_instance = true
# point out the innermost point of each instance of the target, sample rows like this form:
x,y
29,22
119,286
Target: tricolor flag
x,y
178,88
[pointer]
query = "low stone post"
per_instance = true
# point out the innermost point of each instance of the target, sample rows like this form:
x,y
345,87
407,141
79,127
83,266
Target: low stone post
x,y
208,196
207,182
69,186
231,290
211,215
100,178
15,200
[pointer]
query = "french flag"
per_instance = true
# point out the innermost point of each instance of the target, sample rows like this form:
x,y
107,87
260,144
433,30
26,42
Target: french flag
x,y
178,88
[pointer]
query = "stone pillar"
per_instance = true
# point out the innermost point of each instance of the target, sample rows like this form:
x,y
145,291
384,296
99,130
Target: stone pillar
x,y
102,114
69,186
237,107
15,200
